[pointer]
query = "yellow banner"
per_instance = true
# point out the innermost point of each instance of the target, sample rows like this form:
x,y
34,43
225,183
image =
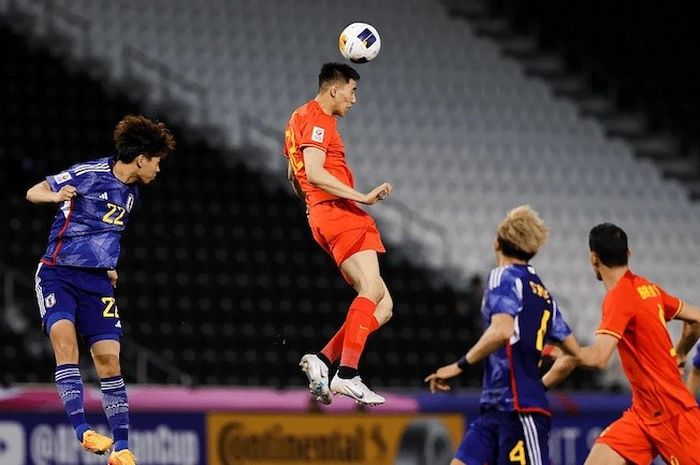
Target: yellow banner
x,y
288,439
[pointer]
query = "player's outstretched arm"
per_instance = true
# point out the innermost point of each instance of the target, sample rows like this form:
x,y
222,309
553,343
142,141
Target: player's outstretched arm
x,y
41,193
598,355
293,181
317,175
565,362
496,335
690,315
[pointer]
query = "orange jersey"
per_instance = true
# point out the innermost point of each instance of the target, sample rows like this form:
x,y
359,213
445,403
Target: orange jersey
x,y
636,311
310,126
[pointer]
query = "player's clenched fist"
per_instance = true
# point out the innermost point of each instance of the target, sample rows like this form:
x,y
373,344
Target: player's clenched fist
x,y
66,193
378,193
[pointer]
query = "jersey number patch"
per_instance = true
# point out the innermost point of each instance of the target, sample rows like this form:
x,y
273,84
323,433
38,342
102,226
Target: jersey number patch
x,y
517,453
114,215
539,344
111,310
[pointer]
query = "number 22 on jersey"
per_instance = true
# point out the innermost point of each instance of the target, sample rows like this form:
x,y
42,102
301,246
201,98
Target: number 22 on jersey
x,y
114,215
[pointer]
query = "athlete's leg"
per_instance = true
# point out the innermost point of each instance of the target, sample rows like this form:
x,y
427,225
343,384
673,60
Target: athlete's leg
x,y
69,383
105,354
457,462
382,314
362,269
602,454
385,307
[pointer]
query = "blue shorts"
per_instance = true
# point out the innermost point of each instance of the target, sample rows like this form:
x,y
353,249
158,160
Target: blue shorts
x,y
696,359
506,438
84,296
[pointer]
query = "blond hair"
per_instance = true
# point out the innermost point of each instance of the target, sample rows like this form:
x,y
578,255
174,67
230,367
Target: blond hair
x,y
521,233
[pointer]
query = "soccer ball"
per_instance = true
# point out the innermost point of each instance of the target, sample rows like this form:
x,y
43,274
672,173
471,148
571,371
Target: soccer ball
x,y
359,42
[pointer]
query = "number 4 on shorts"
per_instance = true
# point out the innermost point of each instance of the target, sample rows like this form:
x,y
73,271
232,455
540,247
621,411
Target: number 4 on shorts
x,y
517,453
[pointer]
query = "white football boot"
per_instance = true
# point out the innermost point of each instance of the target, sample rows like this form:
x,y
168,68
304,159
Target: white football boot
x,y
317,373
355,389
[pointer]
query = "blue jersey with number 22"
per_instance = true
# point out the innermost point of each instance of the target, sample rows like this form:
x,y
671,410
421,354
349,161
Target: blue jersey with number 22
x,y
87,229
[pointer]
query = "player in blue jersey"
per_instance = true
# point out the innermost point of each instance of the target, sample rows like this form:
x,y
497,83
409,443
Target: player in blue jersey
x,y
76,277
519,316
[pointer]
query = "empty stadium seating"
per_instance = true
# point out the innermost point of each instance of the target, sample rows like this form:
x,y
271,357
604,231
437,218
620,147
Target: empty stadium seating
x,y
219,274
459,129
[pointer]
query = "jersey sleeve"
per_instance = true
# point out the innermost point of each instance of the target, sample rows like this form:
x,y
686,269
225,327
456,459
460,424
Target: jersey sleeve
x,y
64,178
559,330
317,132
672,304
506,297
617,313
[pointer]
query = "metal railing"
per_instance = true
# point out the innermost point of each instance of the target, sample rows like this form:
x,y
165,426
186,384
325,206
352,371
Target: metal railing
x,y
145,360
412,223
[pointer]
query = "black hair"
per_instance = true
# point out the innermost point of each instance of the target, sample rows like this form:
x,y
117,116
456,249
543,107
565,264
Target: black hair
x,y
331,72
609,242
510,250
138,135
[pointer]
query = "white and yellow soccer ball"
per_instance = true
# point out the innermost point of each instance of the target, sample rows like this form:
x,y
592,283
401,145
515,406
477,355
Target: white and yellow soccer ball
x,y
359,42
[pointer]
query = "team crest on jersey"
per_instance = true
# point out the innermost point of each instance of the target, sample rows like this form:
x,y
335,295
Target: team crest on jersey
x,y
129,202
50,300
62,177
317,134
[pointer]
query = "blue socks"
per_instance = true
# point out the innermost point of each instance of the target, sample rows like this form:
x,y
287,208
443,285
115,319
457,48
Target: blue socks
x,y
70,389
116,406
114,400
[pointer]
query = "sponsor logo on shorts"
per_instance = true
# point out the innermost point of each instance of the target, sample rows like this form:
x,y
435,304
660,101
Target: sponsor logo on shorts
x,y
50,300
317,134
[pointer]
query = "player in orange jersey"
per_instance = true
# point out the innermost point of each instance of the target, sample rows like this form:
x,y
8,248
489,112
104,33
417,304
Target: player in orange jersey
x,y
664,418
320,175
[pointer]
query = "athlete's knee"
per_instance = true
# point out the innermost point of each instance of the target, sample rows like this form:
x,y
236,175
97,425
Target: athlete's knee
x,y
372,288
107,365
65,351
385,309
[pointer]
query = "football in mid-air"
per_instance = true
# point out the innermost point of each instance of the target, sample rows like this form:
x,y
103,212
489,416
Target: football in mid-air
x,y
359,42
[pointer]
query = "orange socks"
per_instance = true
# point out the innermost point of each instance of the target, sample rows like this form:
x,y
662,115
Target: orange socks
x,y
359,324
334,347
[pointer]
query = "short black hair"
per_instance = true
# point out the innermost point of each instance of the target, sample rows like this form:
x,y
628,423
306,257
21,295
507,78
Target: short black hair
x,y
510,250
337,72
609,242
137,135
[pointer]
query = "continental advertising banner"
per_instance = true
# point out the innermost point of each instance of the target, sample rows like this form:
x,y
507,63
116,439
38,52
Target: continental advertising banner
x,y
288,439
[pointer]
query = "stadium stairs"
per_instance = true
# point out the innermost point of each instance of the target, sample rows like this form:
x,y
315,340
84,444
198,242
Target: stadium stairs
x,y
219,275
624,63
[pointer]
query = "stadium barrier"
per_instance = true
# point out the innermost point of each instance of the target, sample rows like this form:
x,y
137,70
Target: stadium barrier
x,y
244,426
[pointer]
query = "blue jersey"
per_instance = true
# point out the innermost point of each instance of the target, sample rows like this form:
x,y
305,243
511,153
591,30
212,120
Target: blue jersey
x,y
512,379
87,229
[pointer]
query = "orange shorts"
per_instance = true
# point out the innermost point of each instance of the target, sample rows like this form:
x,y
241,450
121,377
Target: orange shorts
x,y
342,229
675,439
